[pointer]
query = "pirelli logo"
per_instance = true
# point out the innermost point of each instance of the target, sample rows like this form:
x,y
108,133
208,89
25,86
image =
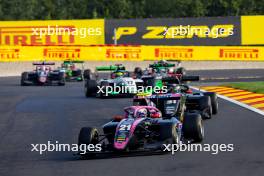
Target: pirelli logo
x,y
123,53
174,53
24,36
62,53
9,53
239,53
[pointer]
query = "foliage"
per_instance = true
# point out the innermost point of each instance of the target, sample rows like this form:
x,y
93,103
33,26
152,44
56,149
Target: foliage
x,y
85,9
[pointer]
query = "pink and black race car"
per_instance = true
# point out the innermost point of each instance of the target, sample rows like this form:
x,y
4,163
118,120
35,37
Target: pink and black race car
x,y
42,75
142,128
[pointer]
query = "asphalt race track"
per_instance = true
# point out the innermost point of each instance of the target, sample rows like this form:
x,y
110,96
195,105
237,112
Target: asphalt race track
x,y
30,115
229,75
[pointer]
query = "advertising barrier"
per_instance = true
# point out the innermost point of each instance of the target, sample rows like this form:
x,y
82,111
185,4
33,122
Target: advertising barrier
x,y
179,31
206,31
209,38
252,30
131,53
51,32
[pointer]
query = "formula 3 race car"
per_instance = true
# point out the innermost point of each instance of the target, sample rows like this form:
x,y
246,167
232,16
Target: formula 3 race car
x,y
161,68
143,128
42,75
119,84
72,72
206,104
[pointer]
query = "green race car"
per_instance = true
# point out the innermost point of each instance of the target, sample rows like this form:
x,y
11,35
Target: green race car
x,y
73,73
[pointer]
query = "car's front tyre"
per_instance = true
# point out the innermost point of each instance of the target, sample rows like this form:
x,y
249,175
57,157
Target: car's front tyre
x,y
193,128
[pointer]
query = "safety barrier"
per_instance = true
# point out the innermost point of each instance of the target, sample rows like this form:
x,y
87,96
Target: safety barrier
x,y
131,53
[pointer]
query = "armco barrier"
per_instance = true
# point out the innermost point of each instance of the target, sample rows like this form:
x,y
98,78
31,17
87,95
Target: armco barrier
x,y
131,53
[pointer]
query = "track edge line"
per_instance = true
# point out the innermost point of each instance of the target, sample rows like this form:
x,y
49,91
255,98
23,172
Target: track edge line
x,y
236,102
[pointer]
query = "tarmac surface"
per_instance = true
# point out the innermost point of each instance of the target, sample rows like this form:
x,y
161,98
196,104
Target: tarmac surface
x,y
36,115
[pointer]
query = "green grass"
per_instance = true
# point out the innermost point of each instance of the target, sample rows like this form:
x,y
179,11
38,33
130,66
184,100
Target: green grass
x,y
257,87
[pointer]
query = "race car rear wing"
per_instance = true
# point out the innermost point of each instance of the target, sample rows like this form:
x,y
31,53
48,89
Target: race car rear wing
x,y
74,62
110,68
43,63
190,78
158,65
178,80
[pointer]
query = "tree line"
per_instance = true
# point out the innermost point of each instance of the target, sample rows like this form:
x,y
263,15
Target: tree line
x,y
86,9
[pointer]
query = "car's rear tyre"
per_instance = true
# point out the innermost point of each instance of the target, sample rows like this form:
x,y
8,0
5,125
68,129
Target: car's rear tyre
x,y
193,127
24,78
77,72
87,74
61,81
174,134
90,88
214,101
138,72
205,107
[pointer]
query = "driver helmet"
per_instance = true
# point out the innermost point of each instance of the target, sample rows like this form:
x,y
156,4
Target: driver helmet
x,y
149,71
163,61
170,70
119,74
72,66
142,113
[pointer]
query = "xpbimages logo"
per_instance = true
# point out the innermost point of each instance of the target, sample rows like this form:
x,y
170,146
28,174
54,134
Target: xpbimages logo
x,y
116,89
58,147
212,148
69,30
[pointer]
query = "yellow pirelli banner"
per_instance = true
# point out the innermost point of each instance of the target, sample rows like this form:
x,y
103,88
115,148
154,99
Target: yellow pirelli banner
x,y
131,53
199,53
51,32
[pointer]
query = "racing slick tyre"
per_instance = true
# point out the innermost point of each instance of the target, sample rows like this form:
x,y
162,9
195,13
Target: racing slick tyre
x,y
24,78
87,74
88,136
90,88
174,135
169,133
138,72
78,75
205,107
193,127
61,79
214,101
